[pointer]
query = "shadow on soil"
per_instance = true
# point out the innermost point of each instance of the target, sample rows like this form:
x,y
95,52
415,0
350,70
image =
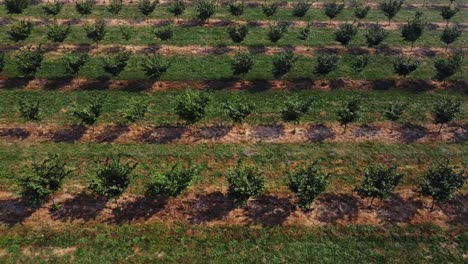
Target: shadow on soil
x,y
83,206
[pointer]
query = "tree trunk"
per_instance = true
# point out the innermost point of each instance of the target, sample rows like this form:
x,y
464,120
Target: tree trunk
x,y
432,205
440,128
371,202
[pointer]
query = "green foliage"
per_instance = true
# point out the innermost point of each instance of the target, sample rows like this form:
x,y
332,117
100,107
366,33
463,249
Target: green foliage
x,y
126,32
53,9
445,110
173,182
112,179
413,30
379,182
276,31
326,63
405,65
89,113
283,63
115,6
349,112
236,8
300,8
29,109
205,9
242,63
97,31
447,12
451,34
147,7
449,66
165,32
238,109
269,9
43,180
20,30
441,182
191,106
394,110
135,109
74,61
243,183
294,109
375,35
307,183
332,9
16,6
57,33
155,66
361,11
114,65
29,59
304,33
84,7
359,63
390,8
177,7
238,32
345,33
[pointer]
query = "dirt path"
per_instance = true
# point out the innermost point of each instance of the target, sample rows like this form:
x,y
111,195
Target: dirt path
x,y
282,133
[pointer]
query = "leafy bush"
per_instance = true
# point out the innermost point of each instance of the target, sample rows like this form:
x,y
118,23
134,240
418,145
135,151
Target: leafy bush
x,y
451,34
89,113
20,30
191,106
73,62
379,182
413,30
52,9
276,31
283,63
393,111
126,32
173,182
269,9
164,32
97,31
445,110
375,35
147,7
45,179
361,11
300,8
236,8
29,59
345,33
441,182
112,179
57,33
243,183
447,12
16,6
238,109
307,183
29,109
115,6
205,9
84,7
405,65
349,112
135,109
238,32
390,8
114,65
155,66
242,63
326,63
359,63
449,66
333,9
176,7
304,33
294,109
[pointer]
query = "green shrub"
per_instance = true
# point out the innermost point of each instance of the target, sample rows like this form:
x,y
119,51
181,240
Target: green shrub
x,y
349,112
304,33
242,63
405,65
345,33
28,60
361,11
447,12
2,61
276,31
359,63
326,63
20,30
333,9
74,61
97,31
300,8
238,32
238,109
53,9
135,109
191,106
165,32
205,9
413,30
16,6
269,9
445,110
173,182
147,7
29,109
283,63
155,66
294,109
115,6
393,111
176,7
84,7
89,113
57,33
451,34
114,65
236,8
126,32
375,35
244,182
390,8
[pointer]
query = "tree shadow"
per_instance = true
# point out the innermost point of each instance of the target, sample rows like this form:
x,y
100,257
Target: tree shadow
x,y
210,207
385,84
460,133
14,83
111,132
15,211
162,135
269,210
266,132
457,209
333,207
397,210
319,133
83,206
410,133
71,134
211,133
14,133
366,130
141,208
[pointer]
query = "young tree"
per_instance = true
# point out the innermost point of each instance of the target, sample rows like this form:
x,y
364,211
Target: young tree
x,y
16,6
283,63
345,33
276,31
135,109
243,183
359,63
441,182
126,32
393,111
43,180
53,9
165,32
96,32
294,110
173,182
300,8
89,113
405,65
114,65
191,106
84,7
115,6
451,34
361,11
307,183
349,112
236,8
269,9
147,7
205,9
29,109
112,179
176,8
390,8
447,12
238,109
242,63
20,30
413,30
375,35
379,182
449,66
326,63
445,110
155,66
74,61
238,32
28,60
57,33
304,33
333,9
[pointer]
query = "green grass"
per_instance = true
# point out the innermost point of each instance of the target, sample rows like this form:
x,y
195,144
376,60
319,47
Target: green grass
x,y
188,244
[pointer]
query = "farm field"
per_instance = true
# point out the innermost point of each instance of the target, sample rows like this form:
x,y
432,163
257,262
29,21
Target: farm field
x,y
251,131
